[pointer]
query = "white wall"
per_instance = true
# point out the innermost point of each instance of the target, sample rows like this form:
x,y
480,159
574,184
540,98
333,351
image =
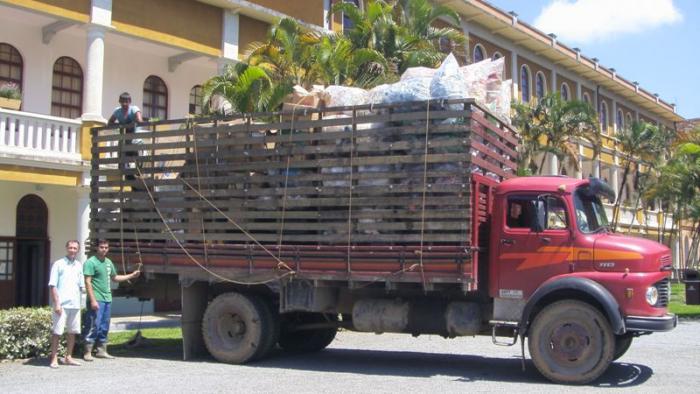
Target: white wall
x,y
62,203
128,62
39,58
126,69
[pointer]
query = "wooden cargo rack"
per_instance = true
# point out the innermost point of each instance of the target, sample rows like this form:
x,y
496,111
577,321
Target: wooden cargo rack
x,y
373,188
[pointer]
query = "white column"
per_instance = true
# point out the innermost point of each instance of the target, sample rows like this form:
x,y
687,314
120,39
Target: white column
x,y
554,82
579,91
614,116
83,219
553,165
230,38
94,73
515,74
326,14
676,251
579,172
615,181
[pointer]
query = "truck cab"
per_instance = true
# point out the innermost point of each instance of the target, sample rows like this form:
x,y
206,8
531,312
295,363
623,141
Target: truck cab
x,y
552,251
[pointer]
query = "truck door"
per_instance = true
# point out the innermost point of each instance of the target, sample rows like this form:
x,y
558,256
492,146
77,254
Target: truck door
x,y
527,258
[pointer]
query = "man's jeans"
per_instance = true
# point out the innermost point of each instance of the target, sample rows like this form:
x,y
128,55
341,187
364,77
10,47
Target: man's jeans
x,y
98,323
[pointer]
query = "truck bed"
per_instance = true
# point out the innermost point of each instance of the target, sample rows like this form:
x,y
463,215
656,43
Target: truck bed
x,y
351,193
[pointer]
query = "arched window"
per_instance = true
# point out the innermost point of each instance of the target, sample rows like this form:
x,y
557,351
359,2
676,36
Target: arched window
x,y
347,22
564,92
603,117
496,55
620,120
525,83
540,85
11,65
629,119
67,88
155,98
479,53
196,96
586,98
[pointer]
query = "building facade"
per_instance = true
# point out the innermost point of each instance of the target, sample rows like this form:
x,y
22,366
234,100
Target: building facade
x,y
72,58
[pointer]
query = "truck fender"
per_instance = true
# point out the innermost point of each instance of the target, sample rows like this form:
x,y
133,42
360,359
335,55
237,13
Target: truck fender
x,y
586,286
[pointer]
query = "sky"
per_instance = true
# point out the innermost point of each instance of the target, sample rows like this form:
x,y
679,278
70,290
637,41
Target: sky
x,y
654,42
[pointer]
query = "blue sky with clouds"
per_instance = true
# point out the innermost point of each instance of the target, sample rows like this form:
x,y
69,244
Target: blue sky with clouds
x,y
655,42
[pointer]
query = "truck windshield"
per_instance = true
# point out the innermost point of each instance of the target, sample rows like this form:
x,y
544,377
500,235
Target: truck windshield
x,y
590,213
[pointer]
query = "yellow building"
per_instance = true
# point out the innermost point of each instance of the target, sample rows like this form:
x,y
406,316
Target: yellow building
x,y
72,59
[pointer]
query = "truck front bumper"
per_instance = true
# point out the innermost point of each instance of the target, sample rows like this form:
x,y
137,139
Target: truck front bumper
x,y
651,324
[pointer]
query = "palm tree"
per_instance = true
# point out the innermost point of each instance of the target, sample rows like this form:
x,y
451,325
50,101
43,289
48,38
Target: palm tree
x,y
247,89
555,126
286,53
402,31
640,140
530,135
421,37
335,61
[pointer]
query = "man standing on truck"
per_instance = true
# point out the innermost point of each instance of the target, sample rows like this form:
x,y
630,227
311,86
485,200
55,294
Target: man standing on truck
x,y
98,271
65,287
127,114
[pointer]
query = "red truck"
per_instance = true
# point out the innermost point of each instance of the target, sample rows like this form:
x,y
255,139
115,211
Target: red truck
x,y
397,218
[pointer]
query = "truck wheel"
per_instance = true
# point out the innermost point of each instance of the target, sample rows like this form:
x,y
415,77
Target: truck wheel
x,y
236,327
269,341
571,342
622,344
304,341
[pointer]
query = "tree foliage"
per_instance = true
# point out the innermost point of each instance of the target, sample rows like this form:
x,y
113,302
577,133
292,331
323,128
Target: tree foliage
x,y
554,126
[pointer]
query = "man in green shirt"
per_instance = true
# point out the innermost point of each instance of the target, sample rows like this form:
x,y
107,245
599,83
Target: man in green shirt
x,y
98,272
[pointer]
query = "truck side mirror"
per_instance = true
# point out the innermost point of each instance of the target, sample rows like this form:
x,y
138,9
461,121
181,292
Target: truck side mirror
x,y
539,216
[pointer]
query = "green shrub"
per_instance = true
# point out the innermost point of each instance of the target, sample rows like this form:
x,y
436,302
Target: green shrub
x,y
26,332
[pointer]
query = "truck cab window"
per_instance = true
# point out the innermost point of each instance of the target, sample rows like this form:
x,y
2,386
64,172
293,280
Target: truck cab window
x,y
556,214
590,213
518,215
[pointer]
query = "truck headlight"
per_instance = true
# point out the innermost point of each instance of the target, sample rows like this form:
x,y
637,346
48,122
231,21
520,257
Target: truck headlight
x,y
652,295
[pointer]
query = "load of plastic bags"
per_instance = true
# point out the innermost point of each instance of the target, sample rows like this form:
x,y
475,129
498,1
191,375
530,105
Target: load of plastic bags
x,y
482,81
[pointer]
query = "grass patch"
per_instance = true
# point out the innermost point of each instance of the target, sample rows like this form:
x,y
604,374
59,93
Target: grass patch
x,y
156,343
678,305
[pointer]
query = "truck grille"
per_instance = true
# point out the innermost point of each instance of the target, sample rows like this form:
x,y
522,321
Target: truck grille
x,y
664,288
665,260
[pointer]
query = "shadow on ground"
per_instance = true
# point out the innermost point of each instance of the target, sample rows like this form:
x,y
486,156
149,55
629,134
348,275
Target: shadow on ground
x,y
465,368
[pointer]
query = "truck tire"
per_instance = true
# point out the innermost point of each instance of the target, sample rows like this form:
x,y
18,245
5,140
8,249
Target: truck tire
x,y
236,328
571,342
622,344
269,341
306,341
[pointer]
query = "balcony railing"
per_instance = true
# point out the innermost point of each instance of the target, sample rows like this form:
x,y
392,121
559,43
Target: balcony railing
x,y
39,137
650,219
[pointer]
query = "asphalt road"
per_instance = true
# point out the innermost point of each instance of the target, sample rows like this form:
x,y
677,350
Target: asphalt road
x,y
388,363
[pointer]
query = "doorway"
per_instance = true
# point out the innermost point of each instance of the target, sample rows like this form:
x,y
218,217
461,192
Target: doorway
x,y
32,252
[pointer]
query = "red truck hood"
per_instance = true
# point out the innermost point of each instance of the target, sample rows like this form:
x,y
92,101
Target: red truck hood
x,y
613,252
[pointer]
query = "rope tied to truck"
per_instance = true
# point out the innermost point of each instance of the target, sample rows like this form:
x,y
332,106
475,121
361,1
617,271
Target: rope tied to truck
x,y
192,258
190,125
425,190
352,146
286,183
122,131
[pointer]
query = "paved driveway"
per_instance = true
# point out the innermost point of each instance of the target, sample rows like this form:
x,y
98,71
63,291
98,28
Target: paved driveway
x,y
356,363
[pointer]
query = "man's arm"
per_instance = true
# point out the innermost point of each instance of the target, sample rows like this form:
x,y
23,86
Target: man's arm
x,y
56,303
53,282
139,118
112,120
91,294
122,278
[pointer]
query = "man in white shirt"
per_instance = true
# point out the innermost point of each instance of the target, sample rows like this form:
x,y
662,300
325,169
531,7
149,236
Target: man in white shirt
x,y
66,284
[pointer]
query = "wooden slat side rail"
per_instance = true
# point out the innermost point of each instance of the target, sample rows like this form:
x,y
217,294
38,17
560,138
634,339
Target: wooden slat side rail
x,y
347,177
